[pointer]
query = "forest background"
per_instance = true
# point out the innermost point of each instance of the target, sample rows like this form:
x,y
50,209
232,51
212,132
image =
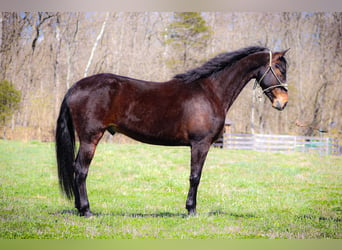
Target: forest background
x,y
43,53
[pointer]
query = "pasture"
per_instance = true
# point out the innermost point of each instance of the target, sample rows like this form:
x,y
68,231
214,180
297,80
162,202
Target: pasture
x,y
139,191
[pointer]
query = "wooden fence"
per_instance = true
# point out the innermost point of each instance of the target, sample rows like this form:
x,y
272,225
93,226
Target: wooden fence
x,y
280,143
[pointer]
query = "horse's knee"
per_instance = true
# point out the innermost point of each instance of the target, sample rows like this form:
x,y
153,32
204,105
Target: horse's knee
x,y
194,179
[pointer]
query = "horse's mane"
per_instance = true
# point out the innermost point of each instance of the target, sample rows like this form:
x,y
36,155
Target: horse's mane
x,y
217,64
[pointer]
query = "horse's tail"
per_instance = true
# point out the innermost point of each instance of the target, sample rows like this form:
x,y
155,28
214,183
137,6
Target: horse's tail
x,y
65,150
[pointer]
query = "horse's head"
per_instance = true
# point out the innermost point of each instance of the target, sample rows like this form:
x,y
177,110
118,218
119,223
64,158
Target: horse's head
x,y
272,78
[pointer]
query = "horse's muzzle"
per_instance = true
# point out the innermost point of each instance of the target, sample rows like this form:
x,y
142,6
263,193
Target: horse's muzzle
x,y
279,105
280,99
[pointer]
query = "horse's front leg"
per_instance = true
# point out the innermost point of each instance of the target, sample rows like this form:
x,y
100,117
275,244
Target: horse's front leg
x,y
199,153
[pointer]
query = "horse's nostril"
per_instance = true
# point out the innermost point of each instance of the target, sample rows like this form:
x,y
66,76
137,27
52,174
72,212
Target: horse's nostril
x,y
278,105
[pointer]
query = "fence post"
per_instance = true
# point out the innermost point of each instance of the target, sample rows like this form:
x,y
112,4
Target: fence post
x,y
327,151
254,142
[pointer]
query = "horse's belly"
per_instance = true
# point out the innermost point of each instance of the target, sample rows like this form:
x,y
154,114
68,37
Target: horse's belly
x,y
150,133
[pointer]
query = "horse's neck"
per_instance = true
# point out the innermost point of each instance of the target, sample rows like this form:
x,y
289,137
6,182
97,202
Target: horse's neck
x,y
232,80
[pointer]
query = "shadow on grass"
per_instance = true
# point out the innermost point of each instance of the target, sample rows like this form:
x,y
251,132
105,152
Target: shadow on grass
x,y
158,215
217,213
318,218
133,215
69,212
236,215
143,215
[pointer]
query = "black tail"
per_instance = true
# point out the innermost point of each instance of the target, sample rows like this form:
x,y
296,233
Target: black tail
x,y
65,150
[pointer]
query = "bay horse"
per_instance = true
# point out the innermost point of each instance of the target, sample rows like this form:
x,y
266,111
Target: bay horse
x,y
188,110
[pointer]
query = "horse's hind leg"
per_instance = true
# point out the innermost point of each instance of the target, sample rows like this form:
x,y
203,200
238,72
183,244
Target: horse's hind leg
x,y
81,167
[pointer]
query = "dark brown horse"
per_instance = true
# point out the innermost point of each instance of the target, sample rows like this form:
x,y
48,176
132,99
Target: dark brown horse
x,y
188,110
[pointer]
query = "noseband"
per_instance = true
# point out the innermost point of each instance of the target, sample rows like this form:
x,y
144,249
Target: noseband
x,y
281,84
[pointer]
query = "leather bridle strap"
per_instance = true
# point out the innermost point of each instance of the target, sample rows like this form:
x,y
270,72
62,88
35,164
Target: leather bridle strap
x,y
281,84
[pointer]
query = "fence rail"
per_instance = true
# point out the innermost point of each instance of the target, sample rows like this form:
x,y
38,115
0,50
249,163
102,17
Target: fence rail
x,y
280,143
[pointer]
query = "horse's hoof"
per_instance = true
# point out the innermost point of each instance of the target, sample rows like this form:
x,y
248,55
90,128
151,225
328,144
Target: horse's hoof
x,y
86,214
191,212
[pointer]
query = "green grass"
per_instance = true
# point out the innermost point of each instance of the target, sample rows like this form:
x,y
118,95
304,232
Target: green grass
x,y
139,191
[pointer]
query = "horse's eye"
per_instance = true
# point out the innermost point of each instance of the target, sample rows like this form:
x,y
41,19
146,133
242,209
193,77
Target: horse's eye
x,y
281,69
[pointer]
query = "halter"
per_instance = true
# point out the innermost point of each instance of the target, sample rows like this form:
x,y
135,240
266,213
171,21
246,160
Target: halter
x,y
281,84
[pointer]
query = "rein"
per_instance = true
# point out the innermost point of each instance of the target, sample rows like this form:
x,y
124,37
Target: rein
x,y
281,84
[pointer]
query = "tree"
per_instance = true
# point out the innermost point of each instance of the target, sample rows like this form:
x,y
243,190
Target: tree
x,y
9,101
187,34
11,28
95,45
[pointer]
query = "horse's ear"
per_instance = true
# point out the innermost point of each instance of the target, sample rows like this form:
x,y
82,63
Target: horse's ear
x,y
284,52
277,55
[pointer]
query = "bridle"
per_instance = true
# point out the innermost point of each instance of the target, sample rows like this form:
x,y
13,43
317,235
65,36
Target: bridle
x,y
281,84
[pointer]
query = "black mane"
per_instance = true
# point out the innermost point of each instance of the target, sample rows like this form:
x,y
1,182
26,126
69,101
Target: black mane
x,y
217,64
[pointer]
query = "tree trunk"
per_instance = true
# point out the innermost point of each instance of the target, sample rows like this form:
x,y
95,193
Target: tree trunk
x,y
98,38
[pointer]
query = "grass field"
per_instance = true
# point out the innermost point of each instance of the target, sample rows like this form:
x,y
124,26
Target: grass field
x,y
139,191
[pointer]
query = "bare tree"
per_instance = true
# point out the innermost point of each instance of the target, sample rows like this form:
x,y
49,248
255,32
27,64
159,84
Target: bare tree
x,y
96,44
